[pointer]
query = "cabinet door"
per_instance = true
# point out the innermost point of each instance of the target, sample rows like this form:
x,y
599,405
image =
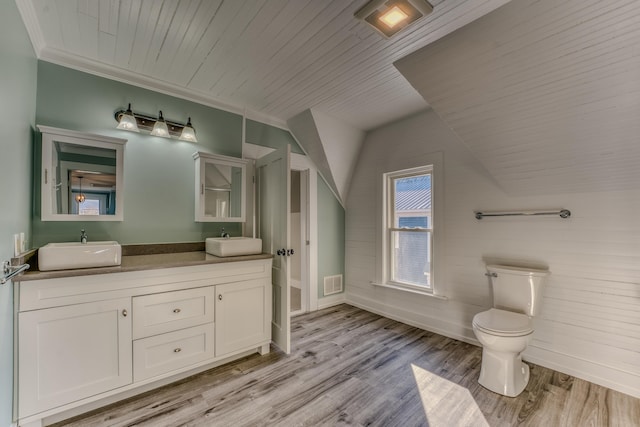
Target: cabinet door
x,y
69,353
221,186
243,311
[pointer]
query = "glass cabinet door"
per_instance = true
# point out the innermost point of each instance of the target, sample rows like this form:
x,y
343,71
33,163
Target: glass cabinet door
x,y
221,184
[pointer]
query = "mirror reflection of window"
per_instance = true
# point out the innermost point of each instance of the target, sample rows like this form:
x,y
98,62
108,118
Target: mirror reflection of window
x,y
88,171
89,207
97,189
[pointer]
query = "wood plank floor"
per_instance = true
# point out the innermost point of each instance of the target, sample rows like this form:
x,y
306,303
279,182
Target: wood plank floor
x,y
352,367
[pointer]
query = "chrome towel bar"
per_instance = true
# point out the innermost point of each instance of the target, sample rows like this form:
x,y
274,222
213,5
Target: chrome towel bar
x,y
10,271
564,213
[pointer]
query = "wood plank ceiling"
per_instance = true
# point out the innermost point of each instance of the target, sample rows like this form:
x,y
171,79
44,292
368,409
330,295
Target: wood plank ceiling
x,y
545,93
272,57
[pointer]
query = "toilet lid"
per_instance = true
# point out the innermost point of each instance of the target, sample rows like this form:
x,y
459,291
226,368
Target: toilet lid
x,y
502,322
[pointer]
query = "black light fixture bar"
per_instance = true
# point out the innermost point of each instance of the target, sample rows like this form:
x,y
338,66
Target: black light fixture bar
x,y
146,123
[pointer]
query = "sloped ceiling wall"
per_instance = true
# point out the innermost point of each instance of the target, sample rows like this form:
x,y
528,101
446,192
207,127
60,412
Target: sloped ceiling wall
x,y
331,144
545,93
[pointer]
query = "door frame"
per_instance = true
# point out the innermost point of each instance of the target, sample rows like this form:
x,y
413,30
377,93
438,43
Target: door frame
x,y
300,163
309,215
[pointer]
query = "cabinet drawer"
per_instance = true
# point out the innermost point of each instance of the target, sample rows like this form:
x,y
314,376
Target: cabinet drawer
x,y
171,311
174,350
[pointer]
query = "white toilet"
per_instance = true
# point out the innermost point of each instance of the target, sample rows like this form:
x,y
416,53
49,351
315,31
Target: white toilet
x,y
505,330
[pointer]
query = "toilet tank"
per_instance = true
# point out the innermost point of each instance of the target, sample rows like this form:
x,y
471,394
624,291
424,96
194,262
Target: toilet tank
x,y
517,289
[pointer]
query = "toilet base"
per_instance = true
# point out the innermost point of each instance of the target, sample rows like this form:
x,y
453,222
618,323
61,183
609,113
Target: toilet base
x,y
503,373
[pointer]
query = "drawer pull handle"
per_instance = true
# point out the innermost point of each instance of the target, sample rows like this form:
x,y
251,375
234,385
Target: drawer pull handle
x,y
177,350
176,310
220,297
125,312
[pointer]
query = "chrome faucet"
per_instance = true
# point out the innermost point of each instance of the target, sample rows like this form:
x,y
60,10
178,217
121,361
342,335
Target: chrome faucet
x,y
225,234
83,237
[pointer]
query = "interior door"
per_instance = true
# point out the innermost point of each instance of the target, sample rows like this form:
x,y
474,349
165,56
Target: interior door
x,y
273,173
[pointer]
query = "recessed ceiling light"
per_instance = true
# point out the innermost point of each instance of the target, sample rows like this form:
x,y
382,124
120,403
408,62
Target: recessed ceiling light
x,y
391,16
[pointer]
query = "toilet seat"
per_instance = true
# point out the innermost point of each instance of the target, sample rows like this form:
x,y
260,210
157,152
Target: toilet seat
x,y
503,323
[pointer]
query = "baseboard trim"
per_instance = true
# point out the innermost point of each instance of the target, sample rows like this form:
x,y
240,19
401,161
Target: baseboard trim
x,y
615,379
606,376
331,300
417,320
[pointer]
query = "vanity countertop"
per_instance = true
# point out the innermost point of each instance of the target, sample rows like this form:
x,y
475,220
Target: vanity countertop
x,y
144,257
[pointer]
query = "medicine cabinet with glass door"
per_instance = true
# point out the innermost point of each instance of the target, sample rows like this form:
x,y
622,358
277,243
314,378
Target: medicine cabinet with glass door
x,y
221,188
81,176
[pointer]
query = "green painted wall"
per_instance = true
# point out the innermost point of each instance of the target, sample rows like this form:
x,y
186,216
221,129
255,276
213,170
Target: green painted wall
x,y
270,136
331,235
18,68
158,172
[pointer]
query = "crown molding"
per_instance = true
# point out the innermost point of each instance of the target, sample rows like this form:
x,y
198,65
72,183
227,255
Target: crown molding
x,y
266,119
111,72
30,19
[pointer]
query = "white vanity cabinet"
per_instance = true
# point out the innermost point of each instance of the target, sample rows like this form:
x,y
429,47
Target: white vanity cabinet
x,y
240,313
71,352
86,341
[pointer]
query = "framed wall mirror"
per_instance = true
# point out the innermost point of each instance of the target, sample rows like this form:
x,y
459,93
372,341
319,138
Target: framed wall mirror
x,y
221,183
82,176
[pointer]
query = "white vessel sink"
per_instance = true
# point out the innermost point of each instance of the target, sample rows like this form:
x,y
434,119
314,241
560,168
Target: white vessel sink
x,y
70,255
233,246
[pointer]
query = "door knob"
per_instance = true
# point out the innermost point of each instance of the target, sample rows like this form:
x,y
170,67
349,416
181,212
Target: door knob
x,y
281,252
290,252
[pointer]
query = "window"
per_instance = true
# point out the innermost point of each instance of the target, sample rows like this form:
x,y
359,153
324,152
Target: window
x,y
95,203
409,228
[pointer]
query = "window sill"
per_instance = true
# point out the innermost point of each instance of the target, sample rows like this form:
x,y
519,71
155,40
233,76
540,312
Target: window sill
x,y
410,290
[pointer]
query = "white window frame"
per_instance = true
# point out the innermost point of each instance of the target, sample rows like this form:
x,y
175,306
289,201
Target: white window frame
x,y
390,201
434,160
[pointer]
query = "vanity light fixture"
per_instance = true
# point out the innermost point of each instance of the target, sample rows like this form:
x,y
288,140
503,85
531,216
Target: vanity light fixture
x,y
188,132
135,122
390,16
128,121
160,127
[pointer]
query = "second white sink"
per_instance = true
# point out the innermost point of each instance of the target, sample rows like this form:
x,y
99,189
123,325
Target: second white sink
x,y
233,246
70,255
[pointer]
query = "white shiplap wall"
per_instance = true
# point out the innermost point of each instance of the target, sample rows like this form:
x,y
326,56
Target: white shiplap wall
x,y
545,93
590,321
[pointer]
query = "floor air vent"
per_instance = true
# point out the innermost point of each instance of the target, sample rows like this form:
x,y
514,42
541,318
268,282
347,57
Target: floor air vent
x,y
332,284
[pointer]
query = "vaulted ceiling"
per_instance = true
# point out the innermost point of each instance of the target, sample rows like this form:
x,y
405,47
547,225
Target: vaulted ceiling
x,y
271,58
545,93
